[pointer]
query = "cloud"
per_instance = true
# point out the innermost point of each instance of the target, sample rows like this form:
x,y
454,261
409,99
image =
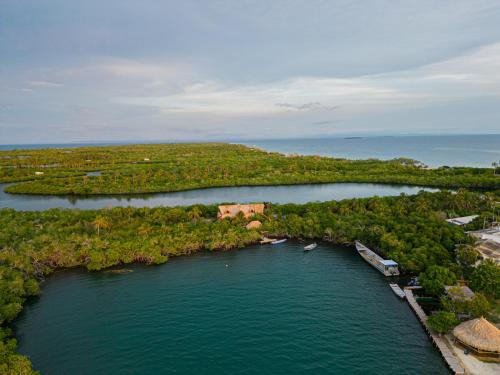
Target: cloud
x,y
471,75
306,106
138,69
41,83
298,94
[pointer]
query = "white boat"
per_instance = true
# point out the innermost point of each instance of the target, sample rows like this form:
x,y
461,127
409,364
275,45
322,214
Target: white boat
x,y
310,247
397,290
276,242
386,266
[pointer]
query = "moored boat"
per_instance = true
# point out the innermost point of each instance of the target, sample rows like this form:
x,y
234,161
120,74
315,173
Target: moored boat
x,y
388,267
310,247
276,242
397,290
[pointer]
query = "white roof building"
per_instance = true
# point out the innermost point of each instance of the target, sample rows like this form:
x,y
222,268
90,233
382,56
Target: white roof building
x,y
462,220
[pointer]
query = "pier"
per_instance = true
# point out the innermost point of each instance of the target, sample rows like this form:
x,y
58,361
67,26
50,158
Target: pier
x,y
438,341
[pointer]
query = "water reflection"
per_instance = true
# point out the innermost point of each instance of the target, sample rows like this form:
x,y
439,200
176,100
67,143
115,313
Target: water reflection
x,y
242,194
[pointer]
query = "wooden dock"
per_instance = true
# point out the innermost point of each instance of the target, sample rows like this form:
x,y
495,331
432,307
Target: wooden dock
x,y
440,343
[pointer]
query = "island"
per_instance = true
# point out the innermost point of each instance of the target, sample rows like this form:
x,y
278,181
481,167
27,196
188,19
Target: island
x,y
412,230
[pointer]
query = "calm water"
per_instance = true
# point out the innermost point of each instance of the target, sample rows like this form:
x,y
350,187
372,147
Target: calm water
x,y
459,150
272,310
244,194
451,150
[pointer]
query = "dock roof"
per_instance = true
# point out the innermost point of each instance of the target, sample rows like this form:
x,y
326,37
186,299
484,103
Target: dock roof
x,y
388,262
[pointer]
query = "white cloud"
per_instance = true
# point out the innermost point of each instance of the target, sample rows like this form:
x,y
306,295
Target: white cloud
x,y
41,83
475,74
138,69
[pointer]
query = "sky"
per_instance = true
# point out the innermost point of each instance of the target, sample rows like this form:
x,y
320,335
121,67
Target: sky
x,y
93,70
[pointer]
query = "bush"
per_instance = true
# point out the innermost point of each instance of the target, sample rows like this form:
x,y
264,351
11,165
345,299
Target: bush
x,y
442,321
435,278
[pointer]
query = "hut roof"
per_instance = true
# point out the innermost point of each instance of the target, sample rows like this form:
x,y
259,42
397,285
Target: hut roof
x,y
254,224
479,334
233,210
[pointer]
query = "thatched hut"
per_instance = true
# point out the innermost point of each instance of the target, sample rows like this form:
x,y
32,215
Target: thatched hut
x,y
481,337
255,224
233,210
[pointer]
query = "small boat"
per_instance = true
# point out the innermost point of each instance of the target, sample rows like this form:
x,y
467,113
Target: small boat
x,y
265,240
397,290
276,242
310,247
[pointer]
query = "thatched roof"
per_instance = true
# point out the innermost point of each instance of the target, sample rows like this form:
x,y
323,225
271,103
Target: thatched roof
x,y
254,224
479,334
233,210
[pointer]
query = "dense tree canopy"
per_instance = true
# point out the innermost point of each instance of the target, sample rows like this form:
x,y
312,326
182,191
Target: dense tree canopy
x,y
486,278
173,167
435,278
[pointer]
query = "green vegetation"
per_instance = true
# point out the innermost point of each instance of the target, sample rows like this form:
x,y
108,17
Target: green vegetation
x,y
172,167
435,278
456,302
442,321
486,278
408,229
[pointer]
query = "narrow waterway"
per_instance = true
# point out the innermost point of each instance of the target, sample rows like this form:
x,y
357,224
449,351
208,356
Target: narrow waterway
x,y
259,310
242,194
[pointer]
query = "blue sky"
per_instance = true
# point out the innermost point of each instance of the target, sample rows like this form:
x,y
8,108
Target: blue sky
x,y
208,70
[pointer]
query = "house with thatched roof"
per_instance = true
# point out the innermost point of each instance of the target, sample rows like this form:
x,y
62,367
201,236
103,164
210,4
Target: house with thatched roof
x,y
255,224
247,210
481,337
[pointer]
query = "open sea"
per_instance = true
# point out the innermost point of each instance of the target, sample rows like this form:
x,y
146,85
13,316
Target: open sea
x,y
433,150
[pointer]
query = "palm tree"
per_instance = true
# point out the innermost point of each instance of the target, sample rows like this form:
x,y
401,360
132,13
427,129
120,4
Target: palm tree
x,y
195,213
99,223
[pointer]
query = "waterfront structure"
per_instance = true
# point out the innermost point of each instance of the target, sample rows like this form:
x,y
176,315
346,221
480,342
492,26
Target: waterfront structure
x,y
488,244
438,340
490,234
388,267
247,210
461,221
479,336
456,292
489,250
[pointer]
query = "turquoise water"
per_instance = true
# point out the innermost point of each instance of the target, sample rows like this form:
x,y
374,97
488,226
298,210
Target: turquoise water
x,y
242,194
451,150
260,310
434,150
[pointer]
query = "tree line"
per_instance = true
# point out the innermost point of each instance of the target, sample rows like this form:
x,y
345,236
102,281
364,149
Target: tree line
x,y
136,169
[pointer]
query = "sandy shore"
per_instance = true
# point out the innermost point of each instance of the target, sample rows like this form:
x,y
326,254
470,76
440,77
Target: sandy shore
x,y
472,365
